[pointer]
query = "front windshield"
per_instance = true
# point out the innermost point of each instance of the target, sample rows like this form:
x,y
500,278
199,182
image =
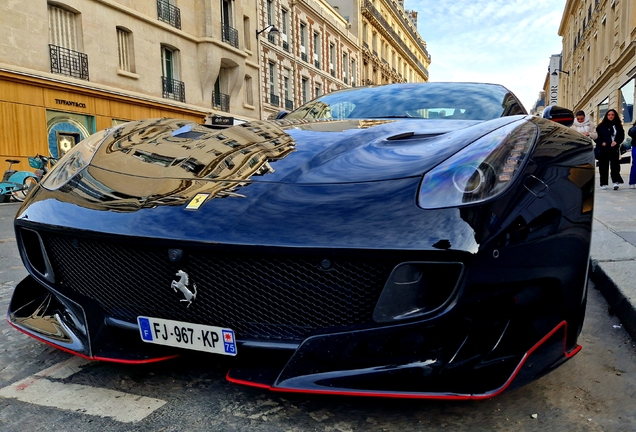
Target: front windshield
x,y
465,101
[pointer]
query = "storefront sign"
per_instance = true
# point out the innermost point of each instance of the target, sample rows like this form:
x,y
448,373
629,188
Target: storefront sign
x,y
555,65
222,121
71,103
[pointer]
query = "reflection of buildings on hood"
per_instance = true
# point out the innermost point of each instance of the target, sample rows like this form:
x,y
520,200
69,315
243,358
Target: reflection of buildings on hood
x,y
172,160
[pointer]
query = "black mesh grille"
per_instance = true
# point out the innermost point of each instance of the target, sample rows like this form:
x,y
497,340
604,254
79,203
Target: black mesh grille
x,y
259,297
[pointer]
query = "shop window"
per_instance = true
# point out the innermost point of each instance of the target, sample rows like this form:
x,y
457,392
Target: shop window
x,y
65,130
627,101
602,109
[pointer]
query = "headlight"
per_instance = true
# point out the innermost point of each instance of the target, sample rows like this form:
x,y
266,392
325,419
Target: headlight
x,y
480,171
75,160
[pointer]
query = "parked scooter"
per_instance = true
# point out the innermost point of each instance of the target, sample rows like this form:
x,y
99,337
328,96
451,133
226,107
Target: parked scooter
x,y
19,183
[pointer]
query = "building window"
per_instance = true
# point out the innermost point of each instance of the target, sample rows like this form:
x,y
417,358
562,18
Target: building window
x,y
169,13
345,64
220,98
273,93
627,102
228,33
247,33
303,41
125,49
249,96
171,86
332,59
603,107
63,28
364,35
65,43
317,50
304,87
317,90
270,12
353,73
289,104
283,24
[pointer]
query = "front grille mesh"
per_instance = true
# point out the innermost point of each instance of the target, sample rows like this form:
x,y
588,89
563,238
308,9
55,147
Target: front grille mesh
x,y
260,297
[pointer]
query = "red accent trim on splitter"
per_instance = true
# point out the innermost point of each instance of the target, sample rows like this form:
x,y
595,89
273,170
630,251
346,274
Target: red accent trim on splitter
x,y
97,358
439,396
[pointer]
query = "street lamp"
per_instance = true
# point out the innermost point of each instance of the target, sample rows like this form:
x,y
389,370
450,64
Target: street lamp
x,y
272,30
556,72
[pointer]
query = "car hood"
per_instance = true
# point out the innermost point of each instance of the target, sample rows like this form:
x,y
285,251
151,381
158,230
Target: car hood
x,y
286,151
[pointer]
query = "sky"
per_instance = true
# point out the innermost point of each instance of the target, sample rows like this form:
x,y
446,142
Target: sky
x,y
506,42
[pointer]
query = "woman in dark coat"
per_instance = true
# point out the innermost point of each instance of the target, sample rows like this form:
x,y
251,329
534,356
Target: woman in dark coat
x,y
610,136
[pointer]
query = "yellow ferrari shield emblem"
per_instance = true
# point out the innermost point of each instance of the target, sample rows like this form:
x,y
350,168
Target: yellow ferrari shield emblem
x,y
197,201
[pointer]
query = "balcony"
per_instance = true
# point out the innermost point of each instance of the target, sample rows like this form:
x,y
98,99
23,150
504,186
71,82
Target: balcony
x,y
274,99
285,46
271,38
173,89
68,62
289,104
303,56
333,73
317,64
221,101
229,35
168,13
344,79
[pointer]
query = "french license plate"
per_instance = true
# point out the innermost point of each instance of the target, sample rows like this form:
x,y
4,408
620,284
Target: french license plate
x,y
187,335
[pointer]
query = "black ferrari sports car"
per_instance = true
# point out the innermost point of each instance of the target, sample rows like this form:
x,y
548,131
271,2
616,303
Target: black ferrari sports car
x,y
424,240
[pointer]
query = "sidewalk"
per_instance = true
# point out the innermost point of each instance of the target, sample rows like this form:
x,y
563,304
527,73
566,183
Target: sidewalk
x,y
613,251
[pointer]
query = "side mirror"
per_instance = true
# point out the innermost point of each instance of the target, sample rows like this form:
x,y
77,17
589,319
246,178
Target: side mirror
x,y
559,114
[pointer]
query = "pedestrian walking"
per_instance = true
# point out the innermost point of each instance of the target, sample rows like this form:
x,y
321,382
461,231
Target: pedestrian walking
x,y
632,172
583,125
610,136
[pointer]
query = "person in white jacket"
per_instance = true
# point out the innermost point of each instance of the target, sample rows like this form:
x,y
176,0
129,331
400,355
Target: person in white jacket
x,y
582,125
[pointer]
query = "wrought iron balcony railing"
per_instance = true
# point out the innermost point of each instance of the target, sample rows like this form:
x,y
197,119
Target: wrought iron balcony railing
x,y
333,73
68,62
274,99
173,89
303,56
317,64
289,104
230,35
169,13
221,101
271,38
285,46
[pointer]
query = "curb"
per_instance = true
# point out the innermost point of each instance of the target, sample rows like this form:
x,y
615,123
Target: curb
x,y
619,304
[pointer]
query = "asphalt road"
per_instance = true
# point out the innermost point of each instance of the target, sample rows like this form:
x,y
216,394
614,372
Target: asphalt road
x,y
44,389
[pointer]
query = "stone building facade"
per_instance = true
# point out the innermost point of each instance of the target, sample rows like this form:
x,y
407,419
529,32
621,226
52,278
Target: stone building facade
x,y
313,53
71,67
392,50
598,66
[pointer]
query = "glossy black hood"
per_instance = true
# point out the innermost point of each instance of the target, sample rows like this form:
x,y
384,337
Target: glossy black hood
x,y
292,151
